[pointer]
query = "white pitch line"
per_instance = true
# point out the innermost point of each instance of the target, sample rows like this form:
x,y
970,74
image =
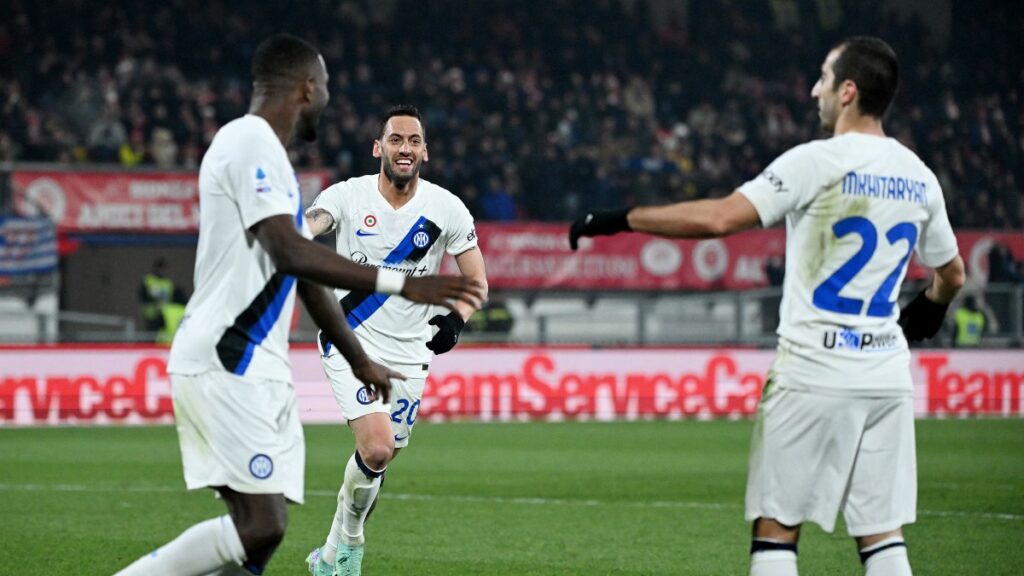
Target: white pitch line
x,y
488,500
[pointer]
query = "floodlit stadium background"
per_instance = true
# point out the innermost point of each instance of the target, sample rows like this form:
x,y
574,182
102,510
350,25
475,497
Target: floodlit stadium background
x,y
534,111
107,109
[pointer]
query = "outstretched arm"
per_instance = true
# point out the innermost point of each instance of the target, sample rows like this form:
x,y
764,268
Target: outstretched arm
x,y
694,219
295,255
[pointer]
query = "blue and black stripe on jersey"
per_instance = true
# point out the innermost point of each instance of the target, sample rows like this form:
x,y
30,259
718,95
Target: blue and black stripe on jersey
x,y
358,305
235,348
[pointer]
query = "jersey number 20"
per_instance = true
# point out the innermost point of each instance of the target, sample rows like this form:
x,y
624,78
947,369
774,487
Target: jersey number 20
x,y
826,295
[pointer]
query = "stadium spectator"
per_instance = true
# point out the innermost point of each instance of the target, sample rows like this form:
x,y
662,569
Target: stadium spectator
x,y
1001,265
840,387
775,270
510,84
968,323
494,320
162,302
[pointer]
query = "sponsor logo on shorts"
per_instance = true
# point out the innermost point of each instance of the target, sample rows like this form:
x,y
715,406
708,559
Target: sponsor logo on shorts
x,y
364,397
261,466
848,339
400,438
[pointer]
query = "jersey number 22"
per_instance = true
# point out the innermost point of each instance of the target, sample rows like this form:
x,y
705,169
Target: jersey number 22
x,y
826,295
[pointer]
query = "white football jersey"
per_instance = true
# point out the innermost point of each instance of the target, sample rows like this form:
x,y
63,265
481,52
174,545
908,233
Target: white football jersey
x,y
856,206
412,240
239,316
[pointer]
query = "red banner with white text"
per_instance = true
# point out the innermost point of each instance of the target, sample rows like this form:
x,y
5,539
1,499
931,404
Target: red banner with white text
x,y
110,385
537,256
129,201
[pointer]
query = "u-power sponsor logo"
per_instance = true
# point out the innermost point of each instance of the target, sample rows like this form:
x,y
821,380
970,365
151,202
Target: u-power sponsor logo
x,y
849,339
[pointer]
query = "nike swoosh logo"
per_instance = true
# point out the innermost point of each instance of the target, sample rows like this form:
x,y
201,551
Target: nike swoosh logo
x,y
361,233
400,438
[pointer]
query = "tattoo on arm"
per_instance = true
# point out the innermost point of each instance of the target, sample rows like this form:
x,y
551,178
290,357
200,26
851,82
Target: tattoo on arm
x,y
319,221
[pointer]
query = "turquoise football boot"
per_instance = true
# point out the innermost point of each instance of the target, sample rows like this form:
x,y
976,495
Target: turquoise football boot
x,y
316,566
349,560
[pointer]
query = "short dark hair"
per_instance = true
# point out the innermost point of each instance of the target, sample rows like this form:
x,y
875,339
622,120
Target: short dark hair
x,y
282,56
871,64
401,110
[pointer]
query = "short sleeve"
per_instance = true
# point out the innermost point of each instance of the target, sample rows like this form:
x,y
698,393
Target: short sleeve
x,y
262,187
784,185
331,200
461,231
936,245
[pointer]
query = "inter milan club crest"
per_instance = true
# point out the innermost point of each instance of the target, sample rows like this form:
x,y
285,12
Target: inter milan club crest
x,y
421,239
364,397
370,221
261,466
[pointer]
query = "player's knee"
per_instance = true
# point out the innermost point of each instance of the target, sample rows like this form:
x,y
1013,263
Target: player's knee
x,y
262,530
868,541
769,528
377,453
263,536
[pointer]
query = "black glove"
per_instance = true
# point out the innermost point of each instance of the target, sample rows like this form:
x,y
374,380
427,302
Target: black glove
x,y
921,318
449,328
598,223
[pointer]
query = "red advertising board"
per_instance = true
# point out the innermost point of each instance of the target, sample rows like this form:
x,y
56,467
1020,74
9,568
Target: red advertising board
x,y
111,385
165,202
519,256
537,256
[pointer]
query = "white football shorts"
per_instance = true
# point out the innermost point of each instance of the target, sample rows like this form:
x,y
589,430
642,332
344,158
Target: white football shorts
x,y
355,402
241,432
813,455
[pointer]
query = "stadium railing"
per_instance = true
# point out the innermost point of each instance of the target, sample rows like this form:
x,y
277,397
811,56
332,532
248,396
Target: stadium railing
x,y
741,318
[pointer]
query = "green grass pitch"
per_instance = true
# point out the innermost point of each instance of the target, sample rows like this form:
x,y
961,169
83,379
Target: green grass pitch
x,y
536,498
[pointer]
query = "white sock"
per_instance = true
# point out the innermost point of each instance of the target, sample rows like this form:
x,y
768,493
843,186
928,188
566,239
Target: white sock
x,y
773,563
886,558
200,550
354,499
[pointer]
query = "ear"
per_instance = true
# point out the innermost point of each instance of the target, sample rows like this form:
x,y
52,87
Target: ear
x,y
377,152
848,93
308,90
426,154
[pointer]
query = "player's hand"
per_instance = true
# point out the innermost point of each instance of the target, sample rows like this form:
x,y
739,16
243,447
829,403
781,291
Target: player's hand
x,y
448,329
440,289
598,223
921,318
376,379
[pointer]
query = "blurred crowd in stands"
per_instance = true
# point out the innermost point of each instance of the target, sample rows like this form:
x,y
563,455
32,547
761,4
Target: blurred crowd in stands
x,y
534,110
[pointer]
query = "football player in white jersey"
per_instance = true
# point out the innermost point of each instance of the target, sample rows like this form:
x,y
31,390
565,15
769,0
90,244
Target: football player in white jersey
x,y
834,428
392,220
234,403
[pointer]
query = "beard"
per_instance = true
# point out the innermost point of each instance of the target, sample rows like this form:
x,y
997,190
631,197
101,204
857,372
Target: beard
x,y
828,120
400,180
